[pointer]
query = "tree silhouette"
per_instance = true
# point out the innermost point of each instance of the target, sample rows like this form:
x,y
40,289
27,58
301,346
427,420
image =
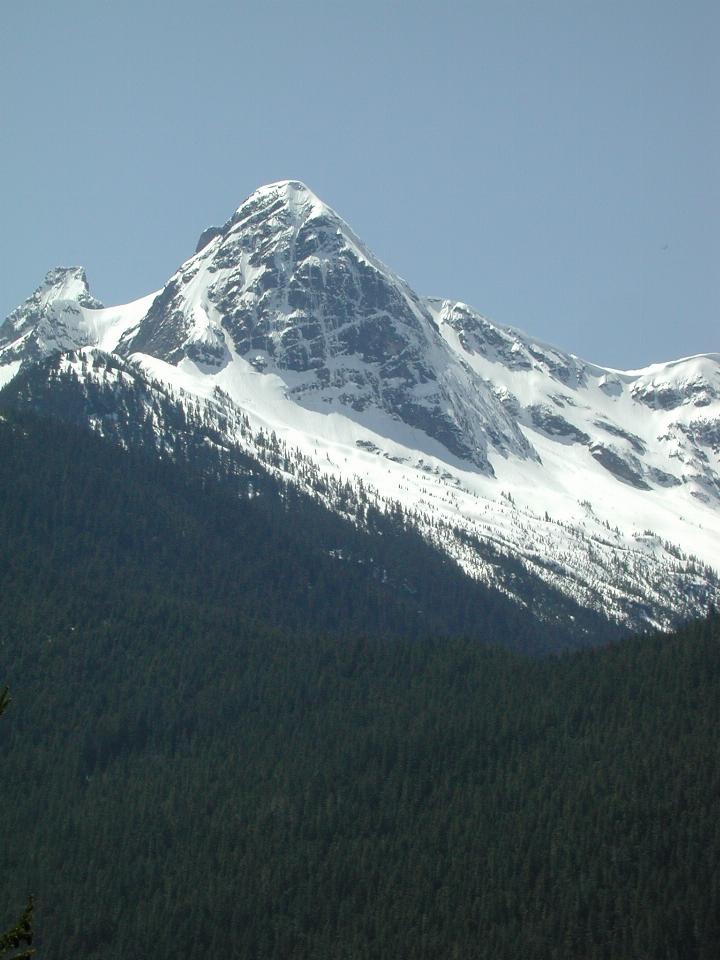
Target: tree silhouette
x,y
21,933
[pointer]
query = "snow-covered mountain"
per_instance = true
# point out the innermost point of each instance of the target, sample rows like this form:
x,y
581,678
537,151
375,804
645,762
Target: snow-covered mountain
x,y
603,484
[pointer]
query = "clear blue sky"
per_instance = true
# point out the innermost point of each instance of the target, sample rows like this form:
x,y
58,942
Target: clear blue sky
x,y
554,164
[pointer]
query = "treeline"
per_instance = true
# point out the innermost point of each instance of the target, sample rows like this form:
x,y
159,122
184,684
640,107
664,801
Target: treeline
x,y
90,530
183,486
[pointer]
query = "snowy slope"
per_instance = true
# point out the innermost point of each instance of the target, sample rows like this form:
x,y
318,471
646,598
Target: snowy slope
x,y
604,483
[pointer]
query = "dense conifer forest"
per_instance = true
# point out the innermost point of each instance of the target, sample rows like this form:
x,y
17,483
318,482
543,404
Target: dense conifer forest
x,y
206,755
90,522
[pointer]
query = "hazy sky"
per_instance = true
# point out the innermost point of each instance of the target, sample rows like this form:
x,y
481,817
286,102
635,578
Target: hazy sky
x,y
554,164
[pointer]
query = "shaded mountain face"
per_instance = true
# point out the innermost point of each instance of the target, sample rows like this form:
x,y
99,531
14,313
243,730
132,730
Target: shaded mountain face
x,y
675,405
509,454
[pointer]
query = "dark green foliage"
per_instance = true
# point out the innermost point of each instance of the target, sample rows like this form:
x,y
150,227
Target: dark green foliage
x,y
193,773
253,794
376,573
19,936
21,932
89,523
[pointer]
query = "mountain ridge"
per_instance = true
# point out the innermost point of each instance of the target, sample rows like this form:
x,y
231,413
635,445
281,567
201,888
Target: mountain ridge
x,y
605,483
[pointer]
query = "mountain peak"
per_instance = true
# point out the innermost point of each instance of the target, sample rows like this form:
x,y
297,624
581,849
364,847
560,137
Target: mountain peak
x,y
501,447
61,285
64,283
288,288
50,320
287,186
293,197
289,189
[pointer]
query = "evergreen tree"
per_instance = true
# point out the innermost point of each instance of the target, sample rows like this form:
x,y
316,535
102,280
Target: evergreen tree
x,y
21,933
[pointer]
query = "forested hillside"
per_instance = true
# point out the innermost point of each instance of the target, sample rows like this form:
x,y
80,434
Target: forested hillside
x,y
252,794
192,766
93,531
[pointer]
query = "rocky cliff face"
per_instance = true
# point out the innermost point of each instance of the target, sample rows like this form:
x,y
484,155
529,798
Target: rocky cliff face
x,y
603,483
650,428
286,285
51,320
